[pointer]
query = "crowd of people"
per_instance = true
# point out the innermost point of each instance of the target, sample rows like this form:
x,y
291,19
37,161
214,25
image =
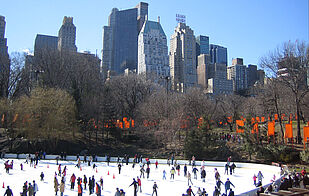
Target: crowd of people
x,y
188,171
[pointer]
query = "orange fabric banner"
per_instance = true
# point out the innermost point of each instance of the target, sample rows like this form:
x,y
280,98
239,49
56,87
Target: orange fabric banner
x,y
263,119
200,122
271,128
288,131
306,135
276,116
229,119
255,128
252,121
239,126
258,119
132,123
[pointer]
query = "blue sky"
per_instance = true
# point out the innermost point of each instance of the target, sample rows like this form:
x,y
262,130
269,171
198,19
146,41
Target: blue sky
x,y
248,28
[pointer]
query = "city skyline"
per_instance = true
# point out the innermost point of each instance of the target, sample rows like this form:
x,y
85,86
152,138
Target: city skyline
x,y
247,29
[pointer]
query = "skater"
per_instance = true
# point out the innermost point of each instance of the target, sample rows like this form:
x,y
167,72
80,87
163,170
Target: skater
x,y
117,193
227,185
8,192
189,178
260,177
93,184
156,164
226,171
72,180
195,170
98,189
233,166
185,169
21,166
142,171
56,185
135,184
30,190
35,188
155,187
178,168
172,173
90,185
42,176
218,183
119,167
80,189
203,175
101,182
139,184
62,186
85,182
254,179
59,170
217,175
148,172
164,174
216,191
189,191
168,162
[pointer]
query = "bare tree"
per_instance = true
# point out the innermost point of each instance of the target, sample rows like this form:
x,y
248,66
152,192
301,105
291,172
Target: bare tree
x,y
289,66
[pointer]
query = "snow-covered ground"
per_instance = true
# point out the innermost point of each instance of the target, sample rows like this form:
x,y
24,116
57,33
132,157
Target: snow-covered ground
x,y
242,179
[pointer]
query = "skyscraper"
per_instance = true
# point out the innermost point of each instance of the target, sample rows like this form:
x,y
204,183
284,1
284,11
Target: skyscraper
x,y
120,38
4,60
238,73
153,52
183,58
218,54
202,45
67,35
203,69
45,43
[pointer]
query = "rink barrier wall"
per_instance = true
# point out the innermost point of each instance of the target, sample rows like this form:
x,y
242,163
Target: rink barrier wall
x,y
160,161
164,161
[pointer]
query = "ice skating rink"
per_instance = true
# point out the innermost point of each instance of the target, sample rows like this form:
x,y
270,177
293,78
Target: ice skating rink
x,y
242,178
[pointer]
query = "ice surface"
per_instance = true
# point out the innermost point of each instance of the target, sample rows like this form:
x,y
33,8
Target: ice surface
x,y
242,179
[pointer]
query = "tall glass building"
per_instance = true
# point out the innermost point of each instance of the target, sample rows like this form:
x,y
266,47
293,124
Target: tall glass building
x,y
202,45
218,54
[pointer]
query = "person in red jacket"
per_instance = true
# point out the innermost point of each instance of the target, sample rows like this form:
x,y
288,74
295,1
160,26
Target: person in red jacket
x,y
156,164
80,190
72,180
139,184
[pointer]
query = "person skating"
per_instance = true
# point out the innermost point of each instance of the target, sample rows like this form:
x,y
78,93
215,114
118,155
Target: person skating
x,y
98,190
148,172
190,192
117,193
204,193
30,190
226,171
260,177
42,176
139,184
93,184
79,189
155,187
217,174
185,169
233,166
119,168
72,180
56,185
35,188
227,185
199,191
90,185
177,168
85,182
62,186
195,170
189,178
218,184
216,191
135,184
164,174
156,164
25,189
8,192
101,182
254,179
172,173
142,170
203,175
231,193
122,193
